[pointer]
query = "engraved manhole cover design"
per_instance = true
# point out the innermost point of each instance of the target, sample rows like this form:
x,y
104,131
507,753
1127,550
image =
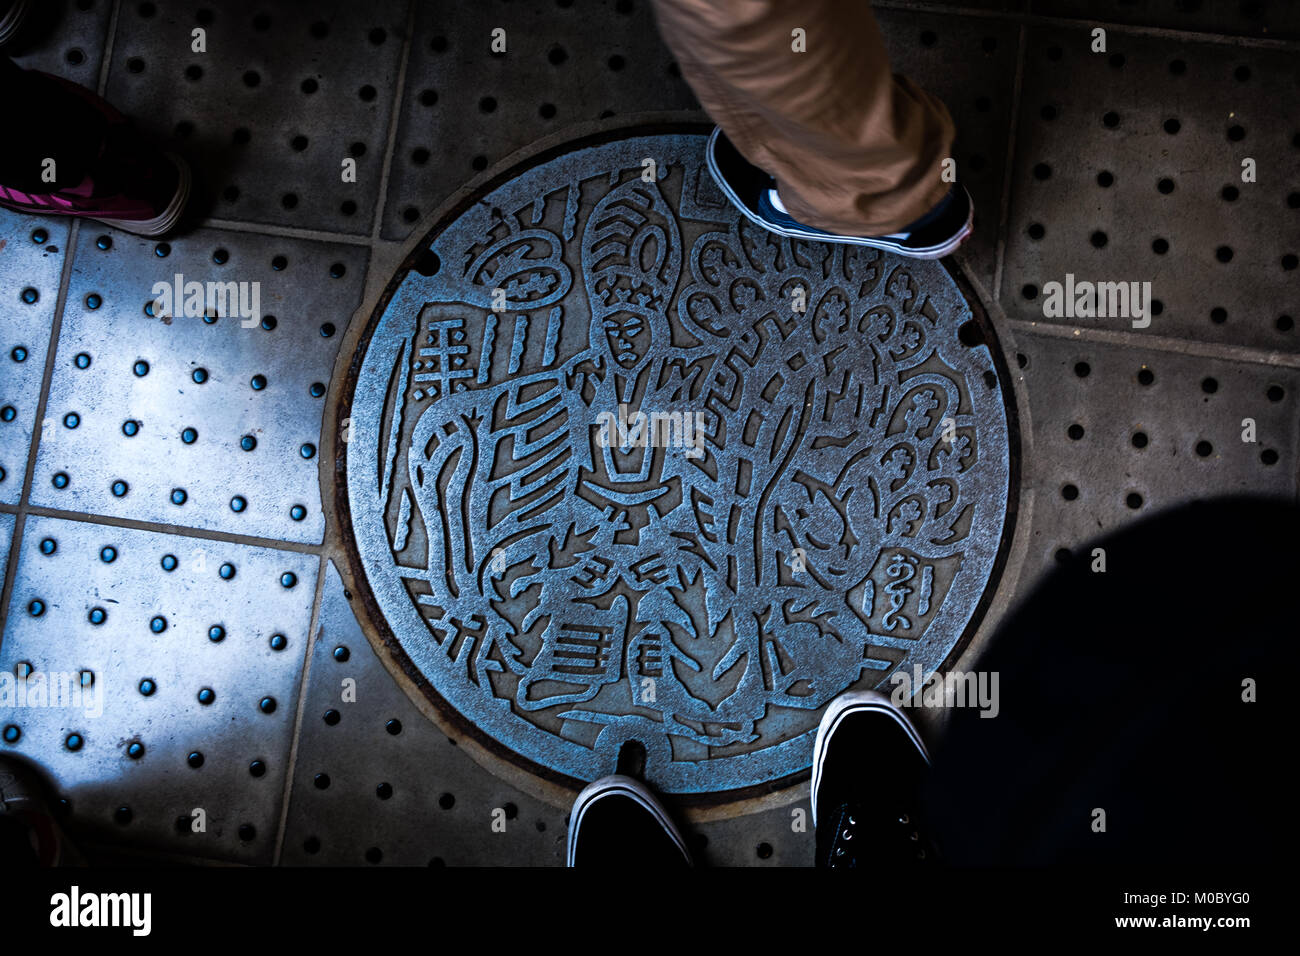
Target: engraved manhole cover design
x,y
623,467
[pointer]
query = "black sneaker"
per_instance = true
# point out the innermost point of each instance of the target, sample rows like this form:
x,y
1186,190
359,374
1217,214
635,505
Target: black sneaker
x,y
935,235
618,822
868,764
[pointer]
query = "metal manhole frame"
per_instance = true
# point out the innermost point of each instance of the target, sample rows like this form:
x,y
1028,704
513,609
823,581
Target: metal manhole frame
x,y
544,782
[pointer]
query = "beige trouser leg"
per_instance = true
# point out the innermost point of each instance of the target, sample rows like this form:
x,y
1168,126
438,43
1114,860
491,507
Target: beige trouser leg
x,y
855,150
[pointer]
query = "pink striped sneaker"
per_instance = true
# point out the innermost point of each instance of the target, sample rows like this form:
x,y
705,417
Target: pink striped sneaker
x,y
130,184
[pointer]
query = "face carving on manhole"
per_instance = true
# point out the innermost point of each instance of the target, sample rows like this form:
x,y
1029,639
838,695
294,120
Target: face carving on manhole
x,y
624,467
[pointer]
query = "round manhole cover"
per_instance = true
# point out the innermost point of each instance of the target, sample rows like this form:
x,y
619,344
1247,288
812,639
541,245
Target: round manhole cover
x,y
622,467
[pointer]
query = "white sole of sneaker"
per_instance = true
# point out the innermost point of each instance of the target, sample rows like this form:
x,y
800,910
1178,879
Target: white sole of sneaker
x,y
887,245
856,702
168,218
627,787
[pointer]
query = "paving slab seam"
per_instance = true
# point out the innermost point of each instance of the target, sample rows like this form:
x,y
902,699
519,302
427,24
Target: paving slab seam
x,y
135,524
1164,33
394,119
1004,212
56,323
300,708
107,53
286,232
1160,343
1042,19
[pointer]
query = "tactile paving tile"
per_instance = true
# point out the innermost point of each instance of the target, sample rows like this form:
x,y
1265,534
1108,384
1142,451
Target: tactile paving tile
x,y
437,805
464,108
925,47
195,392
1100,436
218,631
31,263
376,782
1279,19
270,111
1129,169
66,38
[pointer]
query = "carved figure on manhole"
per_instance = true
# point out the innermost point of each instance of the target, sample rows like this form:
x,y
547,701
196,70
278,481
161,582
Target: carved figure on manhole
x,y
668,478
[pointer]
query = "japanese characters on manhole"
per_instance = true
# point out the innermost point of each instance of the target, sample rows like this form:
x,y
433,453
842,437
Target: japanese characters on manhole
x,y
624,467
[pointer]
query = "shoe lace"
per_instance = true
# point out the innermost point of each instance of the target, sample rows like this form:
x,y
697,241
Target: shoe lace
x,y
904,832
